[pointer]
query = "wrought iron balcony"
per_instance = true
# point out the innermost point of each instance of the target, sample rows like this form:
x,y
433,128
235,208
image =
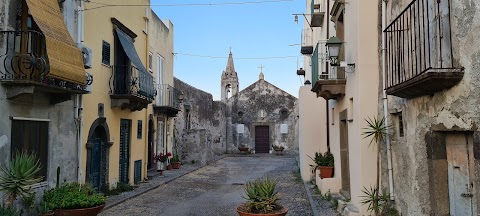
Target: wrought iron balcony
x,y
317,11
26,67
167,100
332,85
307,42
131,88
419,58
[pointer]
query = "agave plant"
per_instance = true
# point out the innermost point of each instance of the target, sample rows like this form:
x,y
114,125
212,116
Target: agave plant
x,y
17,178
378,131
261,196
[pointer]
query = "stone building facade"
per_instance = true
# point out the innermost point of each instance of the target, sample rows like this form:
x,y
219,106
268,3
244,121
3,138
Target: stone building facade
x,y
205,128
435,144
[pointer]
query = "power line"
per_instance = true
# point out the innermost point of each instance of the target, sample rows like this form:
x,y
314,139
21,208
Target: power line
x,y
244,58
182,5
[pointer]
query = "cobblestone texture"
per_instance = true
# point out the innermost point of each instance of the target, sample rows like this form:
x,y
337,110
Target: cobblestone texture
x,y
217,189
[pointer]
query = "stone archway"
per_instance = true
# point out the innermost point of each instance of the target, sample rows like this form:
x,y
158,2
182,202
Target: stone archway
x,y
98,149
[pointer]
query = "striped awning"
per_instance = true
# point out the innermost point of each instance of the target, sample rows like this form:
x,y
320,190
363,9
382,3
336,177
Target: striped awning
x,y
64,57
129,48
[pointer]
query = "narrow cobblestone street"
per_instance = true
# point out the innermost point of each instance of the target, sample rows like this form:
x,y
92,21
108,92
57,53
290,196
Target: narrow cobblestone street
x,y
217,189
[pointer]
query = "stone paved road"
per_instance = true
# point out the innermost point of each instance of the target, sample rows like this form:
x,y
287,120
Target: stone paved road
x,y
217,190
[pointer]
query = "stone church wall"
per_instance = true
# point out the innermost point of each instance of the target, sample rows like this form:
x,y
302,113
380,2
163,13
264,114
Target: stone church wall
x,y
200,125
277,108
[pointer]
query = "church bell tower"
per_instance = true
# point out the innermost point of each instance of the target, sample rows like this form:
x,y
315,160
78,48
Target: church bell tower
x,y
229,84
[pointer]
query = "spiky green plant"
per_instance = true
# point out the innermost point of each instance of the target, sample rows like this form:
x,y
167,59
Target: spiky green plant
x,y
378,132
261,196
17,178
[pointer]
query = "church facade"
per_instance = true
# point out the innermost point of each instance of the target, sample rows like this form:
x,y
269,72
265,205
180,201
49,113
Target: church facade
x,y
259,117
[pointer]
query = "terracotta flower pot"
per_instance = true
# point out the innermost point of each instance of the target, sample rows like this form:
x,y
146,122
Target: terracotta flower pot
x,y
80,212
176,165
243,149
326,172
281,212
169,167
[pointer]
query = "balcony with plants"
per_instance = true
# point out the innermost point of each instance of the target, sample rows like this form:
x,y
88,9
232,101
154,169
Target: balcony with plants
x,y
419,57
131,88
167,100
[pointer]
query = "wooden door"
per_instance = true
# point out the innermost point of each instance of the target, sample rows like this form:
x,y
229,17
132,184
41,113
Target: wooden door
x,y
125,126
344,155
95,163
151,134
461,174
262,139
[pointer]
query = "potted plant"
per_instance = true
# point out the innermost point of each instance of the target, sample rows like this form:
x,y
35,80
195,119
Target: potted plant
x,y
261,199
161,159
325,163
72,199
17,178
176,161
278,149
243,148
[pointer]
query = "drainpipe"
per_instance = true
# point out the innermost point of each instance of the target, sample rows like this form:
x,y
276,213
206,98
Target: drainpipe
x,y
385,104
327,106
78,100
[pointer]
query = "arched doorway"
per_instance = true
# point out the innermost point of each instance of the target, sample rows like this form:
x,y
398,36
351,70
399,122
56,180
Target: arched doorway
x,y
98,146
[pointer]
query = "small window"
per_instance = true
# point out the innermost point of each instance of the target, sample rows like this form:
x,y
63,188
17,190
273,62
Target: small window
x,y
262,114
401,132
106,53
139,130
150,62
31,137
283,113
240,114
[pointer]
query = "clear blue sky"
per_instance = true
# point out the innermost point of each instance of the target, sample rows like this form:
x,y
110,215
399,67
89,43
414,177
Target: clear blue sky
x,y
252,30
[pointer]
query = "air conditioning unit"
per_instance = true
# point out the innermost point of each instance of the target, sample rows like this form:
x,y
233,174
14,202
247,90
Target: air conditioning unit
x,y
87,56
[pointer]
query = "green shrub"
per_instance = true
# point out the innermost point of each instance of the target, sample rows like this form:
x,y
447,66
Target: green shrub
x,y
261,196
8,211
73,196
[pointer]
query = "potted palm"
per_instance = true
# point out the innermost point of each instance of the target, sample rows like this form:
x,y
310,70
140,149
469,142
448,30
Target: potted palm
x,y
176,161
325,163
72,199
17,178
261,199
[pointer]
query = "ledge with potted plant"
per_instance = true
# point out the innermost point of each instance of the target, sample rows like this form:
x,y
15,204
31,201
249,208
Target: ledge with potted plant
x,y
176,161
72,199
261,199
243,148
278,149
325,163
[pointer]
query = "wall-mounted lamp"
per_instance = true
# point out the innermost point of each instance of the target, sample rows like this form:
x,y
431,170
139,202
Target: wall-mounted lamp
x,y
301,72
333,47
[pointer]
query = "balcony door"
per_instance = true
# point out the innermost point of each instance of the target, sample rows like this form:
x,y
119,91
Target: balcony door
x,y
125,128
121,70
160,71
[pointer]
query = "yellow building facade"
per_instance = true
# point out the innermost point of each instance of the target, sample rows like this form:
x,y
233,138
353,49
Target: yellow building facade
x,y
117,112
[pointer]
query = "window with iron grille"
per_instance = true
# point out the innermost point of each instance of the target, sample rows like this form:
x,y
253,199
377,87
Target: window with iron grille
x,y
401,131
106,53
31,137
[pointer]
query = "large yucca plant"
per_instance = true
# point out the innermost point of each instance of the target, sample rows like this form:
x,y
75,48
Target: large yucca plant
x,y
17,177
378,132
261,196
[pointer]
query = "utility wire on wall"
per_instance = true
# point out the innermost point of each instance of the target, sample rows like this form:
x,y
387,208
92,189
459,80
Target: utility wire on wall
x,y
103,5
245,58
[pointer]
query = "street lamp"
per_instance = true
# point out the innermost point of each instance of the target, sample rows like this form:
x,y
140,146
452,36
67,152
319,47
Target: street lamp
x,y
333,46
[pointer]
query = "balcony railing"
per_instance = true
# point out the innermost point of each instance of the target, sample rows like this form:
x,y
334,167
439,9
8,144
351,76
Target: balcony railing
x,y
167,100
307,43
25,62
130,82
335,74
419,58
317,11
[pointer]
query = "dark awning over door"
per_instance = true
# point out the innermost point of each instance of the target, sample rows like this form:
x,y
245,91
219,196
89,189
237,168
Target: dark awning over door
x,y
127,44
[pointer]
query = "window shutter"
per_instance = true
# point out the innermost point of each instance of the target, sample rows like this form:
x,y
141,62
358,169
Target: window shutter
x,y
106,53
